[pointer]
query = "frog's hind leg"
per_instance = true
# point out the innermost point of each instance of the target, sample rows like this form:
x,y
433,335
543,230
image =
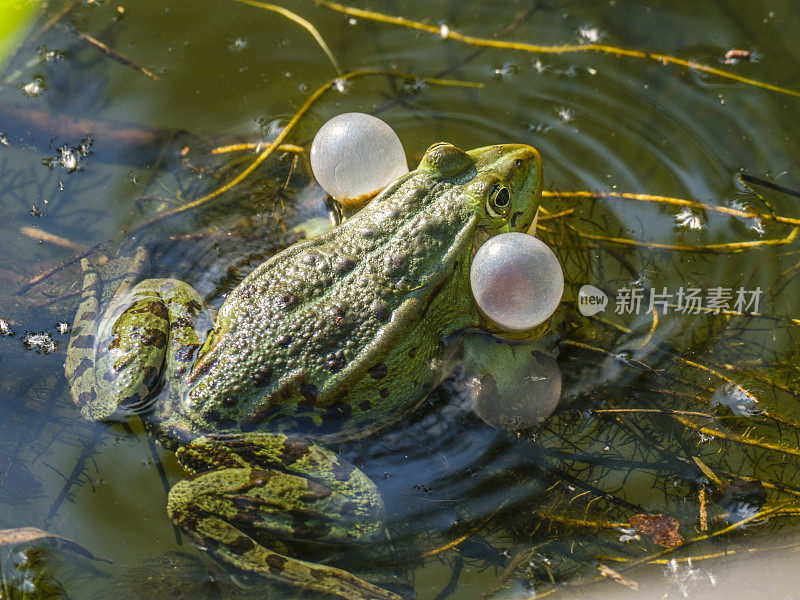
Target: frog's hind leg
x,y
256,499
79,364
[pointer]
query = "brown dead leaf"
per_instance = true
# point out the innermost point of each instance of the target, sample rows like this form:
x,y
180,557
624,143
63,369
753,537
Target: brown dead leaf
x,y
21,535
664,530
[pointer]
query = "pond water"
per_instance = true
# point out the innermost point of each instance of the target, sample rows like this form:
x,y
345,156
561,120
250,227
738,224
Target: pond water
x,y
690,413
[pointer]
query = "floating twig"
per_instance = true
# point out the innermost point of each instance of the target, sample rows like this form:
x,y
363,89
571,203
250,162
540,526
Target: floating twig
x,y
26,535
303,23
256,146
51,238
57,16
740,439
472,531
616,577
53,270
110,52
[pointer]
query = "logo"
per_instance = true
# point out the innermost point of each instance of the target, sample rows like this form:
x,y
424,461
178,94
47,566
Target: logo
x,y
591,300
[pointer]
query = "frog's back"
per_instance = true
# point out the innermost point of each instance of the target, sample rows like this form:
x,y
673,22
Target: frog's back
x,y
312,338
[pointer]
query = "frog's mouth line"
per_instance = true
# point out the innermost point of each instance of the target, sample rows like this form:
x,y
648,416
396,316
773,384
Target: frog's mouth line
x,y
514,218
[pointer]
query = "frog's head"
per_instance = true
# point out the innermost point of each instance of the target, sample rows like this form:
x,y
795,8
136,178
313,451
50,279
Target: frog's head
x,y
502,183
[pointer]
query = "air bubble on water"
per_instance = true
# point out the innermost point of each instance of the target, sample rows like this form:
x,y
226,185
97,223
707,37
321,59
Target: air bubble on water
x,y
352,21
63,327
444,31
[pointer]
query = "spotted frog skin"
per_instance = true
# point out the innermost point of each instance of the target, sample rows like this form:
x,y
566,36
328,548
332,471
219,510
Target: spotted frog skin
x,y
333,338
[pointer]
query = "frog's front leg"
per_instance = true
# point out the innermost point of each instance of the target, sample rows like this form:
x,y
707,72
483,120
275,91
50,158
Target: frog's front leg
x,y
118,359
258,500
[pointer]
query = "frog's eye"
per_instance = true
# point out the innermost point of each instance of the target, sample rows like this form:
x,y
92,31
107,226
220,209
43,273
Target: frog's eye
x,y
499,199
445,160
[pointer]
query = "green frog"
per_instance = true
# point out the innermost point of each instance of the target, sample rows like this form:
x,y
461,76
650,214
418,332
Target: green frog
x,y
334,338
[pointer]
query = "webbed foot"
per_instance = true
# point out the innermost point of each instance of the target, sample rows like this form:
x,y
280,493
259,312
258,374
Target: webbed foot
x,y
257,501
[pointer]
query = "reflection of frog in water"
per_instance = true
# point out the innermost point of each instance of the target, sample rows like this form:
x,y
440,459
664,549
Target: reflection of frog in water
x,y
333,338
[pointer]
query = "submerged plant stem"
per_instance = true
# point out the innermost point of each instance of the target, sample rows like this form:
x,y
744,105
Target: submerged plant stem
x,y
278,141
664,59
728,248
255,146
742,214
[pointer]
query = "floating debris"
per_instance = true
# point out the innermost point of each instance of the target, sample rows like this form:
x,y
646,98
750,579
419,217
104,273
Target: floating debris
x,y
737,399
689,220
565,114
70,157
734,56
685,577
63,327
35,88
5,328
41,342
4,140
590,34
238,44
47,55
505,70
